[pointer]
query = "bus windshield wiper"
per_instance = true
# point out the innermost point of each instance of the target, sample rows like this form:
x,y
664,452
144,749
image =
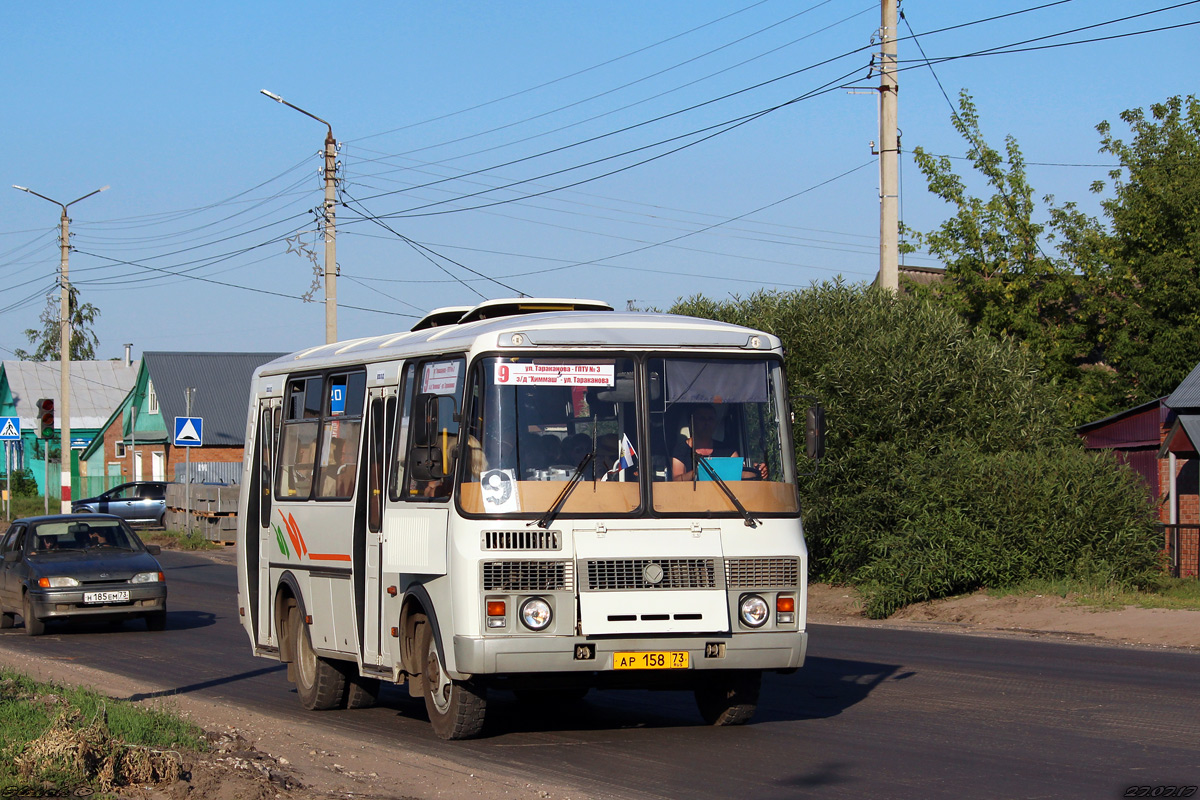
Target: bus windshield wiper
x,y
547,519
751,522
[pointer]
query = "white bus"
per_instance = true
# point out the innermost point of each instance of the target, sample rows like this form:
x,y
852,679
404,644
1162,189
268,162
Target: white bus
x,y
540,496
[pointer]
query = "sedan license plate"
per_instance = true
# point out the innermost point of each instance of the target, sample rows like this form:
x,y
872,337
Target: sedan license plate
x,y
106,597
661,659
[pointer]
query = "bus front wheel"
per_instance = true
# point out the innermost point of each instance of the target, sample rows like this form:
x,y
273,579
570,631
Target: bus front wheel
x,y
456,708
319,683
728,698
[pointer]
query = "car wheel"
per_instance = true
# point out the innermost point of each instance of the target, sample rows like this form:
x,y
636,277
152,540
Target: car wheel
x,y
728,698
319,683
33,625
157,620
456,708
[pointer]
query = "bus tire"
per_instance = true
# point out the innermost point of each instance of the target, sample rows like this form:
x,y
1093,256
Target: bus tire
x,y
728,698
319,683
361,692
456,708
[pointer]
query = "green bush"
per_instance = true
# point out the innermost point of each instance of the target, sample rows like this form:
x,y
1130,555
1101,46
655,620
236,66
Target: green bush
x,y
949,465
23,484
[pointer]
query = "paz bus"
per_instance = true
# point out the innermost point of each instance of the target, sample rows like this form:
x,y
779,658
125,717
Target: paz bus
x,y
536,496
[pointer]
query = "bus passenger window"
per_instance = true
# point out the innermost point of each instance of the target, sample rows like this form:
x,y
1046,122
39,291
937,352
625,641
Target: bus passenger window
x,y
436,406
298,455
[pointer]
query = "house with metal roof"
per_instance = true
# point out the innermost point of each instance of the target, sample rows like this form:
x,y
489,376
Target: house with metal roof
x,y
1160,440
97,387
136,441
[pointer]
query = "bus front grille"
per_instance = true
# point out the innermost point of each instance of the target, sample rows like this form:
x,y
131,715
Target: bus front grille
x,y
528,576
522,540
760,573
652,573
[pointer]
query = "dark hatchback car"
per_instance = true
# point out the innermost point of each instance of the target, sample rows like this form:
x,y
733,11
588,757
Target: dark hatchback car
x,y
73,566
141,501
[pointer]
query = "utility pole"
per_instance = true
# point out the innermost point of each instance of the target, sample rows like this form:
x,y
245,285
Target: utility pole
x,y
329,220
64,347
889,152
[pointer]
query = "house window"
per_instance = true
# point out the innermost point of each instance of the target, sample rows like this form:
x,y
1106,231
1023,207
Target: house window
x,y
118,450
151,398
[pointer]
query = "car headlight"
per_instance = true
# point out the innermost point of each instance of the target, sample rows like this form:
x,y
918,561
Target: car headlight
x,y
57,582
754,611
536,614
147,577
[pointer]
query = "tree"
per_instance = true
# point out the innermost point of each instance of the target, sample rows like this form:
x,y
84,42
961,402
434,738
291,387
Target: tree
x,y
1154,243
949,465
1003,281
1112,310
48,338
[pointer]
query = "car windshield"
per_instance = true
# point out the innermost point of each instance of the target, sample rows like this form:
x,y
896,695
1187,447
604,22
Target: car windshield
x,y
82,535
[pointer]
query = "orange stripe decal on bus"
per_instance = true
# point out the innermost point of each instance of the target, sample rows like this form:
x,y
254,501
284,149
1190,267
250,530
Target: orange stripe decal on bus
x,y
291,533
329,556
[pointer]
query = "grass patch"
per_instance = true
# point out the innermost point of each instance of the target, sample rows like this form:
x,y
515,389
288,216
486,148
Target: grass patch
x,y
1171,593
32,506
64,738
178,540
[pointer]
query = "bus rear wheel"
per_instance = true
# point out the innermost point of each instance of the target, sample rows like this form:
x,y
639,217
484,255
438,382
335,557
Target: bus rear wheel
x,y
728,698
319,683
456,708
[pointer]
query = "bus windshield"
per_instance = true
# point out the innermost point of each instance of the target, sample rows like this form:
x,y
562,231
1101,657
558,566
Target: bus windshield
x,y
537,419
716,435
537,422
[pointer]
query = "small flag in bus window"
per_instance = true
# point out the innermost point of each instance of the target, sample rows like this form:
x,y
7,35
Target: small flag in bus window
x,y
625,458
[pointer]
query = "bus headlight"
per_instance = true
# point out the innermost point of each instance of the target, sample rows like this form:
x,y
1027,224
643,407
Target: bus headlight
x,y
536,614
753,611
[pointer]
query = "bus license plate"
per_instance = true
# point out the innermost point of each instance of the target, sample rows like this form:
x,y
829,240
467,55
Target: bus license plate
x,y
663,659
106,597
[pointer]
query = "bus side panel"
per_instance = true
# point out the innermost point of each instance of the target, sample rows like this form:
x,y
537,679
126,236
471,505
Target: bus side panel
x,y
415,540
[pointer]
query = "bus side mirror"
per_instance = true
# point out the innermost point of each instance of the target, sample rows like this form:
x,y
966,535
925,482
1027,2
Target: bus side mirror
x,y
425,463
814,432
425,421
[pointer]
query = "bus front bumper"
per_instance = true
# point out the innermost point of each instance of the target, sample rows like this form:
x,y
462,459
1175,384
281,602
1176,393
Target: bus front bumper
x,y
501,655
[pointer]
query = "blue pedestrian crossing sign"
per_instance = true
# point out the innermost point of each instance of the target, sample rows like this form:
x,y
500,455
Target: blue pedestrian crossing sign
x,y
10,429
189,431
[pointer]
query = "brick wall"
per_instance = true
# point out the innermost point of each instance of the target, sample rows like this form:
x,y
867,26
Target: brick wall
x,y
1187,494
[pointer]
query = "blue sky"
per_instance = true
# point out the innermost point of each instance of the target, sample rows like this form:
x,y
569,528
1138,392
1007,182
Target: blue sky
x,y
484,133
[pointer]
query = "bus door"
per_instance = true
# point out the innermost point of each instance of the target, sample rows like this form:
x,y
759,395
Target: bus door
x,y
381,415
421,482
260,546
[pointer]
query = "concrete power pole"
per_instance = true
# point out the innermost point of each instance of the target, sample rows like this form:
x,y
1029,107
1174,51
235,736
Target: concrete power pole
x,y
330,226
330,238
64,349
889,152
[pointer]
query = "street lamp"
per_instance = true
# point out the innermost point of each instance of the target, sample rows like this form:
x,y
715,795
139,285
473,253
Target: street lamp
x,y
330,227
64,347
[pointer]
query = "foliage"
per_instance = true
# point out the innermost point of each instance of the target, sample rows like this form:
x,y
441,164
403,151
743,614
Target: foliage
x,y
23,484
48,338
1110,310
949,464
1001,280
1154,244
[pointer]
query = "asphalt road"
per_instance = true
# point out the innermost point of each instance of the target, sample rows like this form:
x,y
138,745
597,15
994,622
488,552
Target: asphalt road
x,y
875,713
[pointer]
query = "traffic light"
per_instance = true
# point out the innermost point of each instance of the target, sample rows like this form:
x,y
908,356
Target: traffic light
x,y
45,418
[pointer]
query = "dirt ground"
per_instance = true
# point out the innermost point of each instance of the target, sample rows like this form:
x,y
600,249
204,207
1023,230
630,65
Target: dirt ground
x,y
255,757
